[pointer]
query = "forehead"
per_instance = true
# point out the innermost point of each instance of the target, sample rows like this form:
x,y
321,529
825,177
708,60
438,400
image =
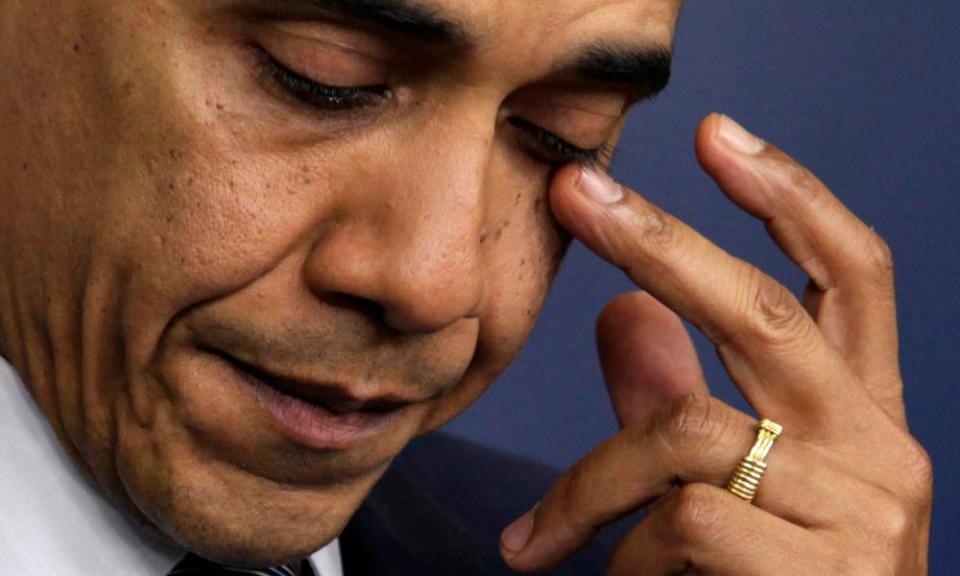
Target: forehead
x,y
523,37
652,20
534,33
492,23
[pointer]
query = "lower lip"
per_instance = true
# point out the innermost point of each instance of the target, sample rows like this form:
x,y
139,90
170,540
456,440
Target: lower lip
x,y
311,424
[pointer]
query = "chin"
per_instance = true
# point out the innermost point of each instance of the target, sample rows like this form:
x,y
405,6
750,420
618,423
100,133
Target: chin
x,y
238,491
253,462
233,517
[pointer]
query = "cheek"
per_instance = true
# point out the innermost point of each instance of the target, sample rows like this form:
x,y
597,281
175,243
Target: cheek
x,y
204,227
212,200
525,249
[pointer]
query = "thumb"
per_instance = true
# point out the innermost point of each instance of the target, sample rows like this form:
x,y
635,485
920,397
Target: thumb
x,y
646,355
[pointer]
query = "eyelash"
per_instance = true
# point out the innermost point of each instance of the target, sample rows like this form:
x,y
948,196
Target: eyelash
x,y
563,151
336,98
315,94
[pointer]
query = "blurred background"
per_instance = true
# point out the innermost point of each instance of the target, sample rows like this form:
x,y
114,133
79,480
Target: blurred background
x,y
866,94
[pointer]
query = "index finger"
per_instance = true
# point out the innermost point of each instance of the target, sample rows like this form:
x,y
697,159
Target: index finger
x,y
772,348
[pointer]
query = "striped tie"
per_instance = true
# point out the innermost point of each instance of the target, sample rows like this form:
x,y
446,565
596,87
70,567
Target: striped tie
x,y
193,565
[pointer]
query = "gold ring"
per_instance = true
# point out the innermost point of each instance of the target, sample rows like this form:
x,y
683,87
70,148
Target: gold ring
x,y
746,478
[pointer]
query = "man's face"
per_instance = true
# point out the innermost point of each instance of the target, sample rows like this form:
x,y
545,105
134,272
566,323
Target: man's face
x,y
252,247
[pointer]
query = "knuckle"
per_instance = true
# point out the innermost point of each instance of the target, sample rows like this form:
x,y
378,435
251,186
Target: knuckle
x,y
571,497
569,490
691,422
878,258
696,514
894,524
773,315
917,470
802,184
658,231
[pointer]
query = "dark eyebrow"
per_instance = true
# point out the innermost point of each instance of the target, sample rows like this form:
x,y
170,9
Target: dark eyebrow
x,y
647,69
402,17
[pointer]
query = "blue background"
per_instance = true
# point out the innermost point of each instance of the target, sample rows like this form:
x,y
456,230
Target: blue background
x,y
866,94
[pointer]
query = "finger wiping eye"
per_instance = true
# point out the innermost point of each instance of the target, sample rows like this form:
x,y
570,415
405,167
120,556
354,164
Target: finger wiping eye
x,y
776,354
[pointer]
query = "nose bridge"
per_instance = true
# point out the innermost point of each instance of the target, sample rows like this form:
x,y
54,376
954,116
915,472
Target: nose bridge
x,y
413,246
433,228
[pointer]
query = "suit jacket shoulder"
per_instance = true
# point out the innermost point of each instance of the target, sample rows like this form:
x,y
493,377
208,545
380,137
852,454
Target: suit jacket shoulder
x,y
440,508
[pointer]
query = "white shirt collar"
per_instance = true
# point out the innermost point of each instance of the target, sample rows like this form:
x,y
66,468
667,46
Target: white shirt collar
x,y
52,521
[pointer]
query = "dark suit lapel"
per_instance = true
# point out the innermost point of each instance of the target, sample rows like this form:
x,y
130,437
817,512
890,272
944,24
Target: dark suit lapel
x,y
402,530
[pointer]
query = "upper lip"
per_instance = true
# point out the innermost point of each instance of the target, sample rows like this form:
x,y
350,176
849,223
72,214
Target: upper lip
x,y
334,397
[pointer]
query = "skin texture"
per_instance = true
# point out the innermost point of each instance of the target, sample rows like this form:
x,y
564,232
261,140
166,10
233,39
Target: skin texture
x,y
847,490
161,198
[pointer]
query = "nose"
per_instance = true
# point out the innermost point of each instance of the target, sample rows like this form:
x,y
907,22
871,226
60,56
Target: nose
x,y
407,237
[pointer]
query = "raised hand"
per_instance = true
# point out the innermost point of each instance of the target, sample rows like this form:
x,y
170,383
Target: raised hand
x,y
847,490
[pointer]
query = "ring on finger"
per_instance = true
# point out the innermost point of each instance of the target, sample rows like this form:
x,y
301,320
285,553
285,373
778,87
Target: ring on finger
x,y
746,478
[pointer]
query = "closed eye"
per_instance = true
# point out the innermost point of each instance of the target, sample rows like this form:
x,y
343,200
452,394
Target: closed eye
x,y
313,93
547,146
553,149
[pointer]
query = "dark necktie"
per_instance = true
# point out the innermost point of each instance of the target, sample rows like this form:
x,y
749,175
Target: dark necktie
x,y
193,565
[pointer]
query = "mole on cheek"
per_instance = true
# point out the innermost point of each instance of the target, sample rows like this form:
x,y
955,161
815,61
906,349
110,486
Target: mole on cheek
x,y
500,230
306,176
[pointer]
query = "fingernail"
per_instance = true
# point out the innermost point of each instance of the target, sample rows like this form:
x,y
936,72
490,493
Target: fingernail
x,y
736,137
598,186
515,536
